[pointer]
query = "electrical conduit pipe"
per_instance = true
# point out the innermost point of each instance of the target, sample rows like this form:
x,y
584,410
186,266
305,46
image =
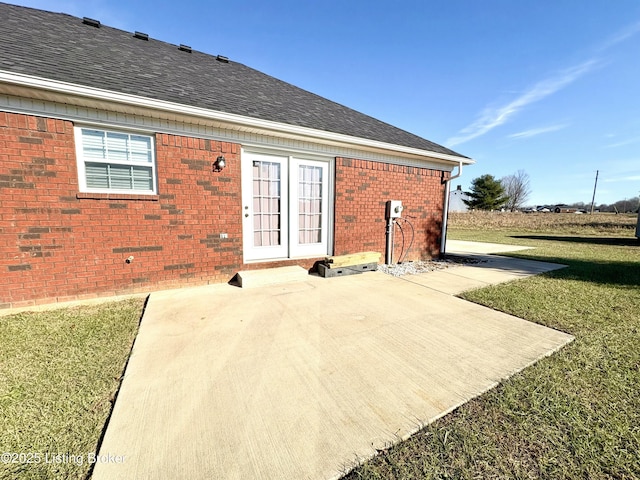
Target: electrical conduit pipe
x,y
445,210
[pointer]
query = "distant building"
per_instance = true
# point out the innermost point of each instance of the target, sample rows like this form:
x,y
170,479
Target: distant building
x,y
456,198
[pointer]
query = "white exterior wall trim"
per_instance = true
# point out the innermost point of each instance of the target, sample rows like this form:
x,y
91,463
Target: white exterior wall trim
x,y
261,126
117,120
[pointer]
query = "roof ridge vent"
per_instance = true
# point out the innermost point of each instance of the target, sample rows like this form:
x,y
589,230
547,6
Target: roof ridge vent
x,y
141,36
185,48
222,59
90,21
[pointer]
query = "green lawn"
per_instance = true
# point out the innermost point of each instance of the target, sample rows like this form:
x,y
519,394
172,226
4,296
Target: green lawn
x,y
59,371
574,415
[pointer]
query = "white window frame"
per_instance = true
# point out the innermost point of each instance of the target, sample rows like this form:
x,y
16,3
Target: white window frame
x,y
81,161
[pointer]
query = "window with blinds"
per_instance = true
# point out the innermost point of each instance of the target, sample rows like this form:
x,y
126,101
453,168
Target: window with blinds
x,y
115,162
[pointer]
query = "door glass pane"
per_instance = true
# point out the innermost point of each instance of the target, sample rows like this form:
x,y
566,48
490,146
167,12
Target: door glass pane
x,y
266,203
310,204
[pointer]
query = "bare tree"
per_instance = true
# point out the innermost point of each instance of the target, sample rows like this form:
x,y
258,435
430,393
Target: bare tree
x,y
517,188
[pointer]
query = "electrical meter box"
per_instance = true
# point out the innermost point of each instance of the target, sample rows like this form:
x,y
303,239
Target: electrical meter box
x,y
394,209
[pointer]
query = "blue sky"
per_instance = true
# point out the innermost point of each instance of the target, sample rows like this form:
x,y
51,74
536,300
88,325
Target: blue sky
x,y
551,87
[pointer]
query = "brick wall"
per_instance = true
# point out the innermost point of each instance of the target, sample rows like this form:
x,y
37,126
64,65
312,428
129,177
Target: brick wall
x,y
362,189
57,244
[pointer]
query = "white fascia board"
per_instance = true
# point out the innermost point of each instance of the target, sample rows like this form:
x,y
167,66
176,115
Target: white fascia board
x,y
229,118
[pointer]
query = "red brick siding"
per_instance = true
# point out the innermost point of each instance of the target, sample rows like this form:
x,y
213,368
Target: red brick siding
x,y
57,244
362,189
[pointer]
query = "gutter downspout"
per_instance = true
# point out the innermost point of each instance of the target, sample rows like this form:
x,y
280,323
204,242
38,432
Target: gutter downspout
x,y
445,212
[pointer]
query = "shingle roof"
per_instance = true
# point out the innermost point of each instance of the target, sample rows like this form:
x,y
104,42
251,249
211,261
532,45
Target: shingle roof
x,y
61,47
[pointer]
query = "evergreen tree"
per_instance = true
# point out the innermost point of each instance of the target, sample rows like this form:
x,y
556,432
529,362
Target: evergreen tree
x,y
486,193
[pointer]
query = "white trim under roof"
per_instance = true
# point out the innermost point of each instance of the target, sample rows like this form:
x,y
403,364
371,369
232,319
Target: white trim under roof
x,y
261,126
122,117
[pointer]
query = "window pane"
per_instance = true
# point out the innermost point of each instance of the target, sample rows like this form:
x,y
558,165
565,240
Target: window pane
x,y
275,188
140,148
97,175
117,146
142,178
93,145
264,187
120,177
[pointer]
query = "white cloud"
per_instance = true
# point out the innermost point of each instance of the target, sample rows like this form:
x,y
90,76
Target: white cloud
x,y
628,178
624,142
538,131
619,37
494,117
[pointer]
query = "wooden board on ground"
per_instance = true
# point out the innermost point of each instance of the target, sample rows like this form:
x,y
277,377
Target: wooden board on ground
x,y
339,261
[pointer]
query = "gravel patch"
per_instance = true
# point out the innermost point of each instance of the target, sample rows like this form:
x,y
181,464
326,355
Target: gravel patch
x,y
424,266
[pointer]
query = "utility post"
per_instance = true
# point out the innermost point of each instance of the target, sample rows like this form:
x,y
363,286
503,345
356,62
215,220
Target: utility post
x,y
593,199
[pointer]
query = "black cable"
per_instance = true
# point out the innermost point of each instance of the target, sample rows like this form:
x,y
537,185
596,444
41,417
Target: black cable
x,y
395,222
413,236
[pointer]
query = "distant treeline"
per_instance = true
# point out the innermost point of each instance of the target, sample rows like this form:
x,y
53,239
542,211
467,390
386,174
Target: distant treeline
x,y
628,205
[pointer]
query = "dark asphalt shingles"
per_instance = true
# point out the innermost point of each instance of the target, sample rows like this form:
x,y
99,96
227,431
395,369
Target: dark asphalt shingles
x,y
60,47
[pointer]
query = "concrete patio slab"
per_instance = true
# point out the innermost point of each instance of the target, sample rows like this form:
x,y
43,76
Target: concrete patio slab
x,y
464,246
271,276
300,380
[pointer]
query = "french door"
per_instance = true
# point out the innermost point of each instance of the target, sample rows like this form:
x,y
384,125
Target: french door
x,y
285,206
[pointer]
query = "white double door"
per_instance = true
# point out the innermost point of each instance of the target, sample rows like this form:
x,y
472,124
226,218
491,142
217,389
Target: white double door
x,y
285,206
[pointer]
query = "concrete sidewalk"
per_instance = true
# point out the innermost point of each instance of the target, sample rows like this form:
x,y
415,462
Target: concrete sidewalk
x,y
481,248
303,379
490,269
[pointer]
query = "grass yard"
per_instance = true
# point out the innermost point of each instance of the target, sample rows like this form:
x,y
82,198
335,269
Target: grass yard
x,y
574,415
59,371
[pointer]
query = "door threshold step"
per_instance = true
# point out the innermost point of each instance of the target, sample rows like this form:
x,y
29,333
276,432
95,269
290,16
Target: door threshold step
x,y
271,276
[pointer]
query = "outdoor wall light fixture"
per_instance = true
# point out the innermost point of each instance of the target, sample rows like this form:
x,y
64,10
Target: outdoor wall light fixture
x,y
219,164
